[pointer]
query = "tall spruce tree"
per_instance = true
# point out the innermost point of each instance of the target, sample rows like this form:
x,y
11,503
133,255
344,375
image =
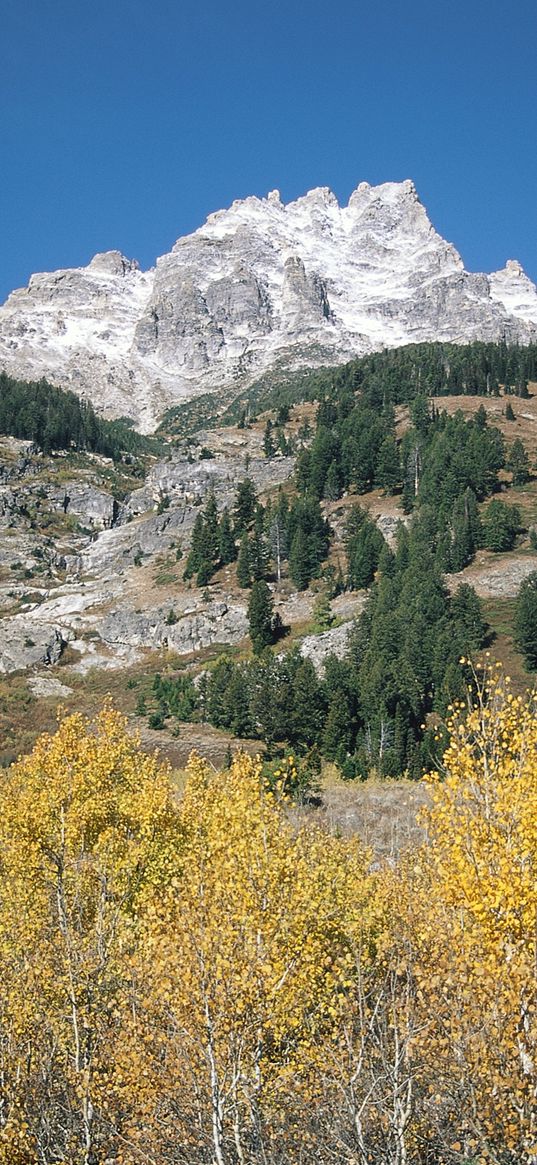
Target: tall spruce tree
x,y
228,550
518,463
300,569
244,574
260,616
526,621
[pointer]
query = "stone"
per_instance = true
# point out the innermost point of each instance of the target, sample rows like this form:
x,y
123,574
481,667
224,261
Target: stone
x,y
331,642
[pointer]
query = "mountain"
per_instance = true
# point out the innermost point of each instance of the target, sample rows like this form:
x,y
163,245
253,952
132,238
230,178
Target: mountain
x,y
259,286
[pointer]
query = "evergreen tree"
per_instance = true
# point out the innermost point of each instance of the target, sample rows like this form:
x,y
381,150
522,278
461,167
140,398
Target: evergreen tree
x,y
245,506
322,613
300,569
466,533
526,621
260,616
228,550
197,548
509,413
336,736
388,466
244,575
363,544
269,447
419,414
332,484
211,533
258,556
468,617
237,707
307,714
500,526
277,532
518,463
480,418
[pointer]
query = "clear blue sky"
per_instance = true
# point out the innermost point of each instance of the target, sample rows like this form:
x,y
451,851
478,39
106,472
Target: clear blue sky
x,y
123,123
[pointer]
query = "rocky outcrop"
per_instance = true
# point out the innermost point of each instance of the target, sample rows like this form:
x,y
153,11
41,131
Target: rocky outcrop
x,y
193,630
332,642
499,579
259,285
90,506
26,642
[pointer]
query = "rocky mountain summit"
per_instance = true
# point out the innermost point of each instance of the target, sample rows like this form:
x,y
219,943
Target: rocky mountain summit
x,y
260,286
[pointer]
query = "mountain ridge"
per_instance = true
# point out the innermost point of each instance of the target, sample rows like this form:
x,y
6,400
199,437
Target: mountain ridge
x,y
259,285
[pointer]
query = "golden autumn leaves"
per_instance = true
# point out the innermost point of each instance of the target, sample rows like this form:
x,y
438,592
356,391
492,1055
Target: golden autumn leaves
x,y
196,981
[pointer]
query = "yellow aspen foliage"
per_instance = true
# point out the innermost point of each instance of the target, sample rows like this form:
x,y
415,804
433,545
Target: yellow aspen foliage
x,y
209,980
88,830
249,965
474,916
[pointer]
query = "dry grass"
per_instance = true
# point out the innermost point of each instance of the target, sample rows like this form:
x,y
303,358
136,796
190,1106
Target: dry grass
x,y
384,813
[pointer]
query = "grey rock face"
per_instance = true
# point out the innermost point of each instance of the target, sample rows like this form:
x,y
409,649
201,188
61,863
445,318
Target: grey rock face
x,y
258,285
332,642
92,507
26,642
219,622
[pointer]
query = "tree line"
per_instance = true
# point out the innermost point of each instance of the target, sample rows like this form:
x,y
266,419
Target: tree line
x,y
396,376
54,418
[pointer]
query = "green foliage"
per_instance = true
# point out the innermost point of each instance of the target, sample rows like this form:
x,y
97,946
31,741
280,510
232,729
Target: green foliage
x,y
501,524
226,541
57,419
269,447
363,545
322,613
526,621
308,537
244,576
260,616
205,549
245,506
518,463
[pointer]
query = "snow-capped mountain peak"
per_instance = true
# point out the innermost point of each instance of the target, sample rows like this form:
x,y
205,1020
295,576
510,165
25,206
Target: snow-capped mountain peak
x,y
258,285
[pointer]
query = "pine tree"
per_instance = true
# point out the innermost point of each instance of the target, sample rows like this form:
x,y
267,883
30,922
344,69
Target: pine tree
x,y
518,463
332,485
300,561
258,556
228,550
336,732
388,466
467,613
500,526
244,575
269,447
322,613
277,532
260,616
307,712
526,621
245,506
197,548
211,533
509,413
466,532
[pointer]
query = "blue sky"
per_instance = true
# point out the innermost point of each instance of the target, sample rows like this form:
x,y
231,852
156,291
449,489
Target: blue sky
x,y
123,123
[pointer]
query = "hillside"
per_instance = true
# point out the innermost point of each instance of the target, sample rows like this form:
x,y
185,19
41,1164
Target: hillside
x,y
93,556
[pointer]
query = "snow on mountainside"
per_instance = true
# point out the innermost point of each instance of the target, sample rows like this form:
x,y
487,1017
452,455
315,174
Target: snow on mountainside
x,y
258,286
